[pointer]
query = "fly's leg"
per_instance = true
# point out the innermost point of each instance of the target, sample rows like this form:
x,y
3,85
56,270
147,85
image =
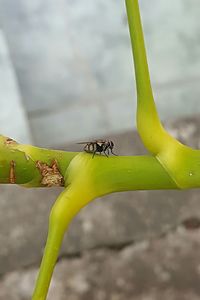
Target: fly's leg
x,y
104,151
113,153
94,152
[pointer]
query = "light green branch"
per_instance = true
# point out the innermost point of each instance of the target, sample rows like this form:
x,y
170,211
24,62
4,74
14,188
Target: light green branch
x,y
32,166
148,122
85,179
180,161
88,178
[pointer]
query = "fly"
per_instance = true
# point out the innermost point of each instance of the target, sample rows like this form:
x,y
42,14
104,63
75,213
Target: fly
x,y
99,146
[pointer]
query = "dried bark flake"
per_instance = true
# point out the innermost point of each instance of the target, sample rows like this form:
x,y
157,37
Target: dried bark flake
x,y
51,175
12,177
10,141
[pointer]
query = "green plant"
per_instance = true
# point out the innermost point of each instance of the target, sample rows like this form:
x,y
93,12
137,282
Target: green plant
x,y
169,165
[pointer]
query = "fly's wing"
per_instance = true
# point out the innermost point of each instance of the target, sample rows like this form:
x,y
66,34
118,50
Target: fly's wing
x,y
84,142
91,142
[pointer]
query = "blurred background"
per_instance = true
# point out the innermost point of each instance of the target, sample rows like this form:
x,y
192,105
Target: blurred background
x,y
66,66
66,75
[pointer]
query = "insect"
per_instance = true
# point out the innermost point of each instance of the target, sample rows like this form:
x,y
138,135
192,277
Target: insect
x,y
99,146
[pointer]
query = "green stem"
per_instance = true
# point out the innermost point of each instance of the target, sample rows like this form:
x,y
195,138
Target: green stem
x,y
139,53
88,178
180,161
70,201
127,173
19,164
148,123
52,248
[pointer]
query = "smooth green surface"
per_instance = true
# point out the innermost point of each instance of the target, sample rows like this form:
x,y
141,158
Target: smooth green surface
x,y
88,178
148,123
123,173
181,162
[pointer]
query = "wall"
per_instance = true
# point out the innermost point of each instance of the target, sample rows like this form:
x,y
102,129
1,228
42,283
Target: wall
x,y
73,64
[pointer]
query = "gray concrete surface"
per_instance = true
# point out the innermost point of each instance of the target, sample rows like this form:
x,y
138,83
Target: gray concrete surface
x,y
123,246
165,268
13,118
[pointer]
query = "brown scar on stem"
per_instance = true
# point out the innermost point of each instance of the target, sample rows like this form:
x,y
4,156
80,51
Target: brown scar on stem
x,y
51,175
9,141
12,177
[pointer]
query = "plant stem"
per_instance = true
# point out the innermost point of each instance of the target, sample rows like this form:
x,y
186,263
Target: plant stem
x,y
180,162
143,83
148,122
19,163
68,204
128,173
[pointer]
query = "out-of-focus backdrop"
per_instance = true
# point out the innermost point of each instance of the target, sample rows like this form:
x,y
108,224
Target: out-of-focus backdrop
x,y
66,66
66,75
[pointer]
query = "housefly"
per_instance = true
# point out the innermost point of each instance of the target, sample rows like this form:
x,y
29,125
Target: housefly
x,y
99,146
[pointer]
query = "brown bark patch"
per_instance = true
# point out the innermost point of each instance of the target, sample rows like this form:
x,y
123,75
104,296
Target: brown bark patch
x,y
12,177
51,175
10,141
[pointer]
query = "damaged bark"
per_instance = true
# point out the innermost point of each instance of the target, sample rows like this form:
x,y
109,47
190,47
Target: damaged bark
x,y
51,175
